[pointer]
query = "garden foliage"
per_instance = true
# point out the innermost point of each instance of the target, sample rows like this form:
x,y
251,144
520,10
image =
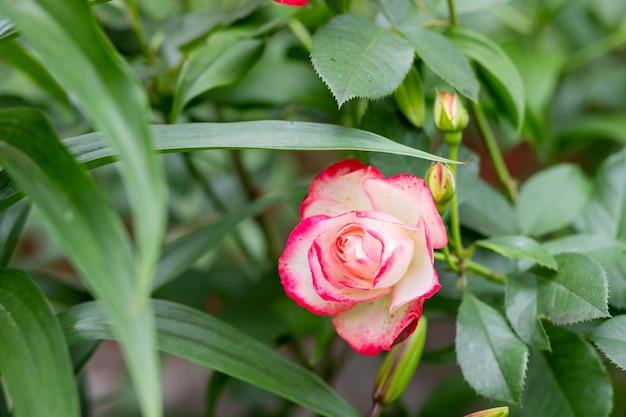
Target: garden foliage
x,y
154,155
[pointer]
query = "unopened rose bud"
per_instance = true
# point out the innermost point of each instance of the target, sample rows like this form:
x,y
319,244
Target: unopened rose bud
x,y
440,180
399,365
450,114
492,412
410,98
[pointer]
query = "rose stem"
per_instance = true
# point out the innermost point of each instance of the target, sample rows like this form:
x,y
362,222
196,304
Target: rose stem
x,y
452,13
472,266
376,409
494,153
454,207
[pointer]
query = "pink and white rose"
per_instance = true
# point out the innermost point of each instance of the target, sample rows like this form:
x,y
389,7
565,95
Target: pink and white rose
x,y
363,253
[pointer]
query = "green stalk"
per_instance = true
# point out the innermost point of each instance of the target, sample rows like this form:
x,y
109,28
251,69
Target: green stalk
x,y
452,13
455,224
471,266
494,153
135,23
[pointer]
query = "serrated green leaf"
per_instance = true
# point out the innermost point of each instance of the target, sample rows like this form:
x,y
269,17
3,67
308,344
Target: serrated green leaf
x,y
183,252
519,247
610,338
502,78
356,58
34,358
605,211
446,60
224,59
578,292
608,252
87,229
487,212
492,358
569,382
523,312
203,339
551,199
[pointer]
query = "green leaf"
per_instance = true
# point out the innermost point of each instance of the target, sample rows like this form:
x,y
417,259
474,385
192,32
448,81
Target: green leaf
x,y
487,212
594,127
519,247
502,77
569,382
522,310
183,252
89,66
34,358
445,59
88,230
604,213
607,251
610,338
92,150
224,59
16,55
356,58
11,225
577,292
7,28
492,358
551,199
203,339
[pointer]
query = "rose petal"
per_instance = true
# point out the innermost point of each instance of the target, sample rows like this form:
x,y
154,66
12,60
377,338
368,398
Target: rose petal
x,y
421,279
331,284
295,272
407,198
338,190
369,328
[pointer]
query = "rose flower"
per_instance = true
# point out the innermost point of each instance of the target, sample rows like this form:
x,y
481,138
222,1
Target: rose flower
x,y
363,253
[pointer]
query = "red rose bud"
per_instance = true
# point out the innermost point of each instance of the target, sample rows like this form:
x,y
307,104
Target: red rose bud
x,y
399,366
297,3
440,180
410,98
450,114
492,412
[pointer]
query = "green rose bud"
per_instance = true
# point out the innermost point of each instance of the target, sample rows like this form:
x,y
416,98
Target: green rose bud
x,y
399,365
440,180
450,114
410,98
492,412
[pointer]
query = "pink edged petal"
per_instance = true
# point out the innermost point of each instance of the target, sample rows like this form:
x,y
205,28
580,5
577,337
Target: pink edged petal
x,y
421,279
295,272
338,189
369,328
407,198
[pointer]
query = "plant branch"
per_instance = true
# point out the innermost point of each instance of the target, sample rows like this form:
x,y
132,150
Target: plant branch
x,y
452,13
455,224
494,153
471,266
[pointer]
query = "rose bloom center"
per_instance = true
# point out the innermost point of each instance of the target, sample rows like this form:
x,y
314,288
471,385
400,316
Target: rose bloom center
x,y
358,255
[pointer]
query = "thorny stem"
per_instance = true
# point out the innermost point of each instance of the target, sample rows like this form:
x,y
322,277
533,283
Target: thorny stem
x,y
471,266
452,13
494,153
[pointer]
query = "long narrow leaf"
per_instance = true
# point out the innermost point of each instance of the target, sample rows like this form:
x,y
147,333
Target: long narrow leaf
x,y
89,231
10,229
34,358
203,339
112,99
